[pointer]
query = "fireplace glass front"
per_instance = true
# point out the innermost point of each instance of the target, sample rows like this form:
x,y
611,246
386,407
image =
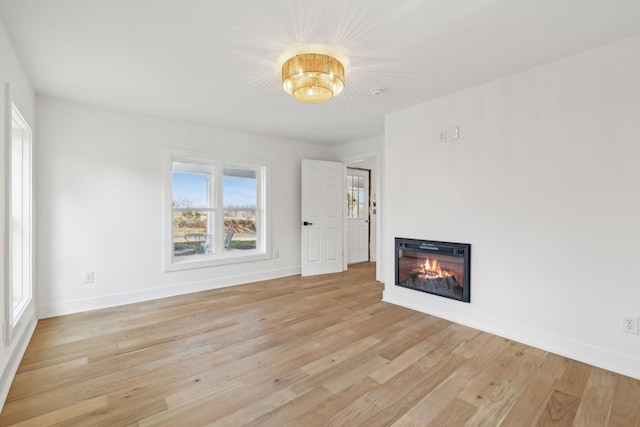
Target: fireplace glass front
x,y
439,268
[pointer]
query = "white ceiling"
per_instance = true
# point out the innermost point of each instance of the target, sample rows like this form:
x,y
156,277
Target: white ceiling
x,y
216,61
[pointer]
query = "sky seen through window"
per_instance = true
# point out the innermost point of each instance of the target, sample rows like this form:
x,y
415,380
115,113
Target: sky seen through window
x,y
190,190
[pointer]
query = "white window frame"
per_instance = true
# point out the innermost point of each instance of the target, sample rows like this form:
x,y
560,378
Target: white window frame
x,y
19,266
220,257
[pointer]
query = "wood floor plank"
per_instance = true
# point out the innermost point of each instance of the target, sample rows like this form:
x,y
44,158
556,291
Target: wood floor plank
x,y
405,390
176,411
425,411
574,379
400,363
331,359
486,371
495,407
32,408
594,407
294,351
65,415
532,401
321,412
625,408
457,413
560,410
279,416
555,365
357,370
595,404
261,407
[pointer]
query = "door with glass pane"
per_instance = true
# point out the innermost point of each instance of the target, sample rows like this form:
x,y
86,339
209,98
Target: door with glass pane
x,y
357,215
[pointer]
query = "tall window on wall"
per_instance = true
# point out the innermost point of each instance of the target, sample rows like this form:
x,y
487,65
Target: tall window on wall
x,y
19,291
217,211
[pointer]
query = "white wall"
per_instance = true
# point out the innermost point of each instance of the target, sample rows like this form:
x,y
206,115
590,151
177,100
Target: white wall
x,y
100,205
11,72
543,183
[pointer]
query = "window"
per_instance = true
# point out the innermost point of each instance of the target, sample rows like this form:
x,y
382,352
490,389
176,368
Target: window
x,y
355,196
20,218
217,211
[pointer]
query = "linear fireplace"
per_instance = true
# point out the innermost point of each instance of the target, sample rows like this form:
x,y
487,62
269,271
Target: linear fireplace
x,y
438,268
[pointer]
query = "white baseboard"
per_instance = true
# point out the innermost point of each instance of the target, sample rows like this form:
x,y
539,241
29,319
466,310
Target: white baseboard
x,y
9,372
563,346
77,306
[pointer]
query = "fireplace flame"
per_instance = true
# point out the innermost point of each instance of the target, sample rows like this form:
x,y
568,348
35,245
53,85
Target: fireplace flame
x,y
431,269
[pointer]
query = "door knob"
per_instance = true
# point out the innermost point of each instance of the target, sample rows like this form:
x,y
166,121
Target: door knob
x,y
307,223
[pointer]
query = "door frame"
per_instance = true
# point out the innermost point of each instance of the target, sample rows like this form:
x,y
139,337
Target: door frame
x,y
379,198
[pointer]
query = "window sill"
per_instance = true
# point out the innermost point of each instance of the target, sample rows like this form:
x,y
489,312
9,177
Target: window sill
x,y
203,261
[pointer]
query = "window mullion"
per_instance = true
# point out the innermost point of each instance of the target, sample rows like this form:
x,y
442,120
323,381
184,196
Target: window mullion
x,y
219,209
259,209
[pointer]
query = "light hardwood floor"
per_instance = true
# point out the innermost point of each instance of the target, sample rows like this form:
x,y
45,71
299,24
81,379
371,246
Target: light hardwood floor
x,y
319,351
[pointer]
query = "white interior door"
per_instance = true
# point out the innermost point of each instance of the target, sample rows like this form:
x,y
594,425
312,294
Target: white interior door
x,y
322,217
357,215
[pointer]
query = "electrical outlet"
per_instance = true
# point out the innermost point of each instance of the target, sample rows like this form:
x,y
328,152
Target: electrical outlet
x,y
276,253
630,324
88,277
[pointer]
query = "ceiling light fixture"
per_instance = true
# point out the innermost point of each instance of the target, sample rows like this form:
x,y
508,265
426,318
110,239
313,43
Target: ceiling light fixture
x,y
313,77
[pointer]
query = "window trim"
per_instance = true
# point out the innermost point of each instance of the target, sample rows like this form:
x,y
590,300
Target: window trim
x,y
14,314
263,240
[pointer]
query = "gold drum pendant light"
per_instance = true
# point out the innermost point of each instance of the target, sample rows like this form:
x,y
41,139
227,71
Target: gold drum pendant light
x,y
313,77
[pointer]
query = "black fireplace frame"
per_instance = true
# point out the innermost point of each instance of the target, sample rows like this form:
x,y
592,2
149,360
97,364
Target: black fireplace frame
x,y
459,250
